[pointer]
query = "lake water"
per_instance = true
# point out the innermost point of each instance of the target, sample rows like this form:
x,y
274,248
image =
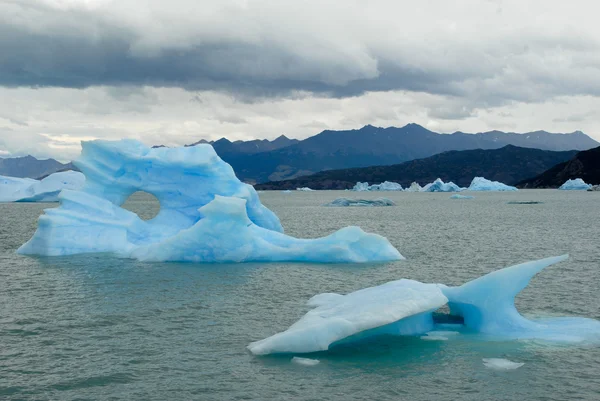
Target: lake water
x,y
93,327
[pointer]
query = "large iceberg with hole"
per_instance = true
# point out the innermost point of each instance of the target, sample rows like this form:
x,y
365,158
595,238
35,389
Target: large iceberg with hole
x,y
482,184
575,185
384,186
484,307
46,190
441,186
206,213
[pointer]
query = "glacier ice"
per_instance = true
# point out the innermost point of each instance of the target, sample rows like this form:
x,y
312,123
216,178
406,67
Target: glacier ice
x,y
206,214
501,364
575,185
305,189
458,196
384,186
414,187
440,186
482,184
483,307
343,202
46,190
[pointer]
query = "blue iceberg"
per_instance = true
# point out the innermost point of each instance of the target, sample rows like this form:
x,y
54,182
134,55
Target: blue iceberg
x,y
575,185
414,187
46,190
484,307
206,214
384,186
344,202
482,184
441,186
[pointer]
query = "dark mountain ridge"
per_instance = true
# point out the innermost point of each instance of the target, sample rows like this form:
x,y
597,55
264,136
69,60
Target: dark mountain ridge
x,y
584,165
509,164
29,167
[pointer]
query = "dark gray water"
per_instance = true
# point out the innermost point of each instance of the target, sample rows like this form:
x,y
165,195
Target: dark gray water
x,y
100,328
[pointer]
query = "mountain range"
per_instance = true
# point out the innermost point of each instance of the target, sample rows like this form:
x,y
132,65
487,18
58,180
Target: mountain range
x,y
509,164
370,146
584,165
30,167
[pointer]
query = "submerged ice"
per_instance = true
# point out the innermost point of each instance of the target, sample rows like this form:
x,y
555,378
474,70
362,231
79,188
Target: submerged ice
x,y
484,306
46,190
206,214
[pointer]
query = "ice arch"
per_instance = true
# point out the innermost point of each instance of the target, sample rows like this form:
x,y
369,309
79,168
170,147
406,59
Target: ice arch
x,y
206,213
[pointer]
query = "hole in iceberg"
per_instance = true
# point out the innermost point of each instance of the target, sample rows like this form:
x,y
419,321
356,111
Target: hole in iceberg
x,y
144,204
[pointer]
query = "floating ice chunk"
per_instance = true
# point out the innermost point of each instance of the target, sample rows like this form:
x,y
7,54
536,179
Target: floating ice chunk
x,y
305,361
482,184
575,185
206,215
384,186
342,202
28,190
440,186
458,196
399,307
501,364
406,308
287,191
414,187
305,189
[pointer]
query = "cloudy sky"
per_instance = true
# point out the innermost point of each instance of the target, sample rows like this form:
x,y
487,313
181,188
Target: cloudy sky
x,y
173,72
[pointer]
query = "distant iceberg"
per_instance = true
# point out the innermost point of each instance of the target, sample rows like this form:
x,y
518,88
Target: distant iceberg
x,y
414,187
482,184
440,186
46,190
458,196
406,308
305,189
343,202
575,185
206,213
384,186
287,191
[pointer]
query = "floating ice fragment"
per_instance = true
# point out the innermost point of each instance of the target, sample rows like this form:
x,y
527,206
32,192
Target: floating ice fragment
x,y
46,190
305,361
458,196
482,184
206,214
575,185
384,186
406,308
305,189
501,364
343,202
414,187
287,191
440,186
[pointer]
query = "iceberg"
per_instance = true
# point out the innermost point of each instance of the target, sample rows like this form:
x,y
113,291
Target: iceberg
x,y
458,196
206,214
305,361
46,190
305,189
384,186
482,184
287,191
414,187
501,364
575,185
343,202
594,188
484,307
440,186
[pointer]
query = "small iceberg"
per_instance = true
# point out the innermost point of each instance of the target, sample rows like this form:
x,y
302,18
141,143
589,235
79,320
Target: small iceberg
x,y
575,185
482,184
46,190
206,214
287,191
408,308
458,196
440,186
594,188
414,187
384,186
344,202
501,364
305,361
305,189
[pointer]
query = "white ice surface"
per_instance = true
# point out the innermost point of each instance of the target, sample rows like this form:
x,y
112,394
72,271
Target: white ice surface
x,y
501,364
46,190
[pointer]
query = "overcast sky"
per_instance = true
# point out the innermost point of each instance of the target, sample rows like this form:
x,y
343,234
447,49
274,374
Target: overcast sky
x,y
173,72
